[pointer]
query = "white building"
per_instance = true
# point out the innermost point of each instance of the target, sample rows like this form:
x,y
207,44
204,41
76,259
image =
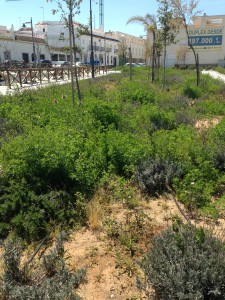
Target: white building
x,y
136,44
51,41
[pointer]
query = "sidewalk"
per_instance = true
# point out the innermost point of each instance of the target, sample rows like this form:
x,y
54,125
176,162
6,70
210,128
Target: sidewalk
x,y
5,90
214,74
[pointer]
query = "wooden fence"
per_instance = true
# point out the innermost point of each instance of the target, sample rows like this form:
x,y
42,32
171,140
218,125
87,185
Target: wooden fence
x,y
32,76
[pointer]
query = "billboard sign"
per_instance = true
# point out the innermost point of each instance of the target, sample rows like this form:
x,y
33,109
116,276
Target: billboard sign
x,y
203,39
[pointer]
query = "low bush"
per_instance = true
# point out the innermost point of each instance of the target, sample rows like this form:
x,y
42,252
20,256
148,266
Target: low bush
x,y
186,263
134,92
50,279
156,175
192,91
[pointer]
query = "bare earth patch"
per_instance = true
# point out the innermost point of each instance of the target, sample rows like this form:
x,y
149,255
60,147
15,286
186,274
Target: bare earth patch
x,y
207,123
109,275
112,269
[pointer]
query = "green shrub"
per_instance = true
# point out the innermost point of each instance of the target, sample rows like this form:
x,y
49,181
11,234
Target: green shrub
x,y
135,92
123,151
105,115
186,264
32,216
192,91
161,120
198,185
156,175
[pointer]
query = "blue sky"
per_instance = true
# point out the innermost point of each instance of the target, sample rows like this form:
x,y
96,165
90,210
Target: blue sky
x,y
116,12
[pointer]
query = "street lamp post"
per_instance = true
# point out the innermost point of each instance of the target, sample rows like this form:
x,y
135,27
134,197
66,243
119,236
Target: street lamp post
x,y
105,50
32,33
92,52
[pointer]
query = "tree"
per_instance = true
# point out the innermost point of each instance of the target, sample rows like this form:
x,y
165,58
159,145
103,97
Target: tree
x,y
150,26
68,9
168,28
122,50
186,10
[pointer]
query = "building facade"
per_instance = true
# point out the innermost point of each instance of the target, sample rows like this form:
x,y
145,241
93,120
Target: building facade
x,y
135,44
50,40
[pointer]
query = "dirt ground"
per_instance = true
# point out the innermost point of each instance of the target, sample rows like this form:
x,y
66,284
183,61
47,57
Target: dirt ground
x,y
111,271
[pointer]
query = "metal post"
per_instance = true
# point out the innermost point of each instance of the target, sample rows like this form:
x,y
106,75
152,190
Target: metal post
x,y
105,50
92,52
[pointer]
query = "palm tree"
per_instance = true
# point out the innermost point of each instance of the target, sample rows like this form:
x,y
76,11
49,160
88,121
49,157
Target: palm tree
x,y
149,22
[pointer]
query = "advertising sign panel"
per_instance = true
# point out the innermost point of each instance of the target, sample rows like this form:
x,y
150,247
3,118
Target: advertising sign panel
x,y
206,38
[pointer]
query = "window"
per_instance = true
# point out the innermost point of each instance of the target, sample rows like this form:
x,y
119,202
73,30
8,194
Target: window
x,y
54,57
7,55
62,57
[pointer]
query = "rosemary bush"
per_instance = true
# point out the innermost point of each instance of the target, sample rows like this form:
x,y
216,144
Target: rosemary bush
x,y
50,279
186,263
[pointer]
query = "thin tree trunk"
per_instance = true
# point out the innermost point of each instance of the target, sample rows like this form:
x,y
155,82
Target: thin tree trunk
x,y
195,55
130,61
71,58
75,55
164,67
153,58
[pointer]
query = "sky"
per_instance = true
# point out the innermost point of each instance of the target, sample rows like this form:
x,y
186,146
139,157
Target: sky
x,y
116,12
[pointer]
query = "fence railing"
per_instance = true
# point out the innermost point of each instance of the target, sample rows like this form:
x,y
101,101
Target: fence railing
x,y
23,76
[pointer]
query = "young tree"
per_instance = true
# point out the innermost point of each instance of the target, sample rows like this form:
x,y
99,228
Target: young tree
x,y
68,9
168,28
150,26
122,51
187,10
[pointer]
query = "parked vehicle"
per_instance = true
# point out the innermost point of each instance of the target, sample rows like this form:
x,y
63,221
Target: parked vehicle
x,y
133,65
80,64
12,64
65,64
45,63
60,64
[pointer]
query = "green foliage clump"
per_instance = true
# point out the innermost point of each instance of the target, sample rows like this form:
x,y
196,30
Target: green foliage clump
x,y
186,263
192,91
105,115
156,175
31,216
198,185
134,92
50,279
123,152
160,119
